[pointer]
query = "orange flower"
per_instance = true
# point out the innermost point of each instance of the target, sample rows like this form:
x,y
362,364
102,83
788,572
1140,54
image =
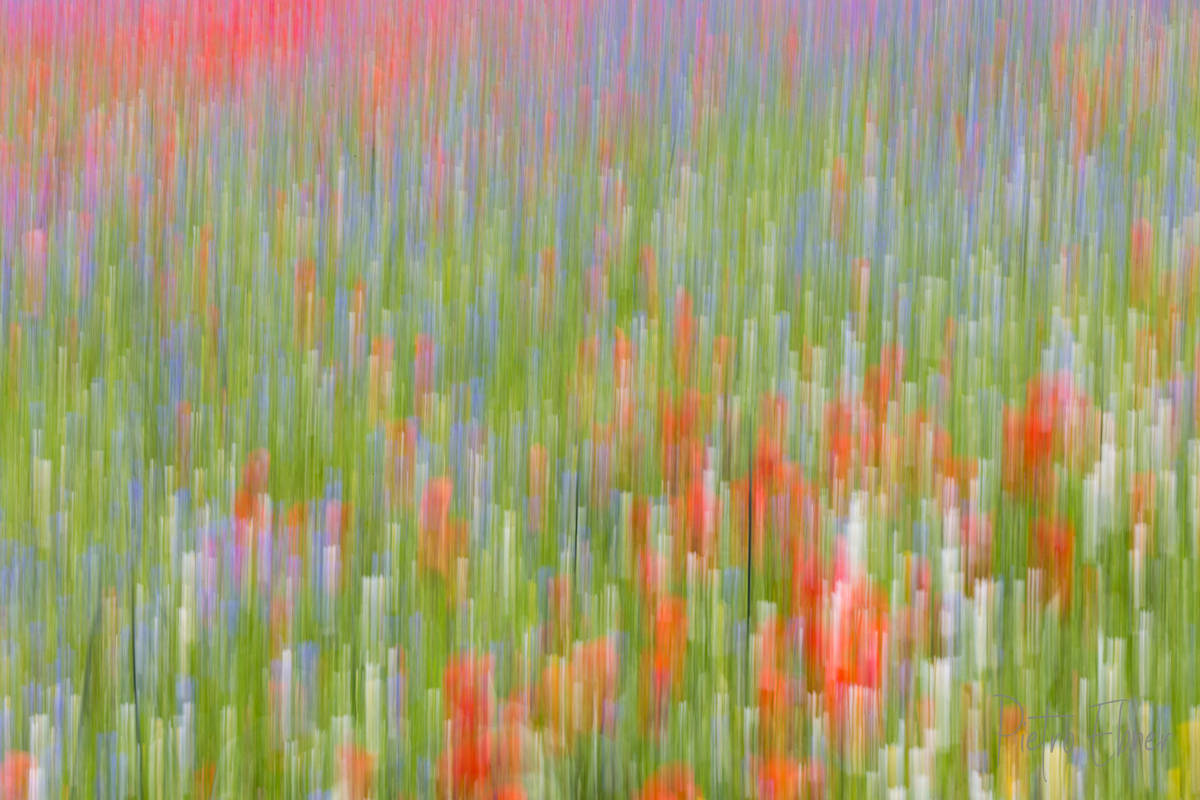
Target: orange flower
x,y
14,775
670,783
555,706
880,379
509,758
622,358
670,629
254,475
1141,503
779,779
442,542
589,677
249,509
595,668
665,659
358,771
293,526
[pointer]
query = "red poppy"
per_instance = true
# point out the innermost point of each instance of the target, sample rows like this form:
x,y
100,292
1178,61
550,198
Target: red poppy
x,y
466,684
681,448
700,514
1054,549
1049,424
779,779
882,378
850,436
511,791
670,628
808,583
853,644
769,450
670,783
465,768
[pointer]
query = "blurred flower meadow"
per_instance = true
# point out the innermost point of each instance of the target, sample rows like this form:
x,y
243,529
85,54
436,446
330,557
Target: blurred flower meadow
x,y
599,399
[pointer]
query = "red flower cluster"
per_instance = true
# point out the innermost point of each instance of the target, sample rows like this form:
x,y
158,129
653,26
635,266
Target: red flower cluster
x,y
481,762
1047,427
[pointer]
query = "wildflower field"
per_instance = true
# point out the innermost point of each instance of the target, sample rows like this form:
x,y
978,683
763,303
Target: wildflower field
x,y
599,399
